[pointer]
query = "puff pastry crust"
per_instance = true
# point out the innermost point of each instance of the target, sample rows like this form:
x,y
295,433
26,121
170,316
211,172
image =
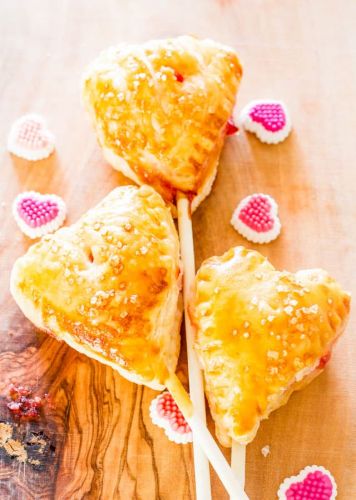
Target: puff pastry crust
x,y
261,334
109,285
160,111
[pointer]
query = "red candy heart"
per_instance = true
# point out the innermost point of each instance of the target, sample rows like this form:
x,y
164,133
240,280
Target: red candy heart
x,y
38,214
256,218
165,413
30,139
312,483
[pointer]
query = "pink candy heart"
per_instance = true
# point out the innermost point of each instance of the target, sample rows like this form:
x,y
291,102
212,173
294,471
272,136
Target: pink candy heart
x,y
268,119
30,139
256,218
38,214
165,413
312,483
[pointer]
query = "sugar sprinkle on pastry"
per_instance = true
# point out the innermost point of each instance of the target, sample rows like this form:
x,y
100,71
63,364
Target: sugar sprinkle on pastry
x,y
268,119
165,413
29,138
314,482
38,214
256,218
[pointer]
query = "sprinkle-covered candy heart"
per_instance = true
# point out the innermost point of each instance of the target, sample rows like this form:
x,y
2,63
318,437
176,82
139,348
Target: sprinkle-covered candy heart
x,y
256,218
30,139
165,413
312,483
38,214
268,119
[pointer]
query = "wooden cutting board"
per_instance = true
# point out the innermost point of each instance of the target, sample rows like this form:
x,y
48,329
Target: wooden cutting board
x,y
98,441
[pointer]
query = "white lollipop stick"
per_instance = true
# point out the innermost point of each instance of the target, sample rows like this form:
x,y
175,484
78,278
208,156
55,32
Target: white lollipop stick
x,y
203,442
238,461
196,387
205,439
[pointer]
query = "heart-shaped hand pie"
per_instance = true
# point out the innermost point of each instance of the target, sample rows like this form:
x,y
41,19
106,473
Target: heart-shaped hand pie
x,y
312,483
261,334
161,109
30,139
269,120
109,285
165,413
38,214
256,218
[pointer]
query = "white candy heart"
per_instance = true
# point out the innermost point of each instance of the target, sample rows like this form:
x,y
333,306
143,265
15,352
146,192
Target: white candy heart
x,y
30,139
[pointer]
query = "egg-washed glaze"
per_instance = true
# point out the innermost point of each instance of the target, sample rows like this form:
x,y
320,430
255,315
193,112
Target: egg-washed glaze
x,y
160,110
109,285
261,334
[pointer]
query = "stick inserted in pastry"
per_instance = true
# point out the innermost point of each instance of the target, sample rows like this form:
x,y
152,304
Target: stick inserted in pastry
x,y
108,286
238,461
196,387
161,109
205,440
161,112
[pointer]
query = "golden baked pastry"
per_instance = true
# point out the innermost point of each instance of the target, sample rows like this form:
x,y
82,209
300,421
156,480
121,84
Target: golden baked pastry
x,y
160,111
261,334
109,285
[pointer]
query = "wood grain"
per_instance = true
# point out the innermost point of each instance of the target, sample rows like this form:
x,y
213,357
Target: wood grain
x,y
103,443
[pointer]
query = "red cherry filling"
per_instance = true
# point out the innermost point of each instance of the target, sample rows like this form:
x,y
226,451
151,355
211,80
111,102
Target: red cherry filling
x,y
179,77
231,128
324,360
23,406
